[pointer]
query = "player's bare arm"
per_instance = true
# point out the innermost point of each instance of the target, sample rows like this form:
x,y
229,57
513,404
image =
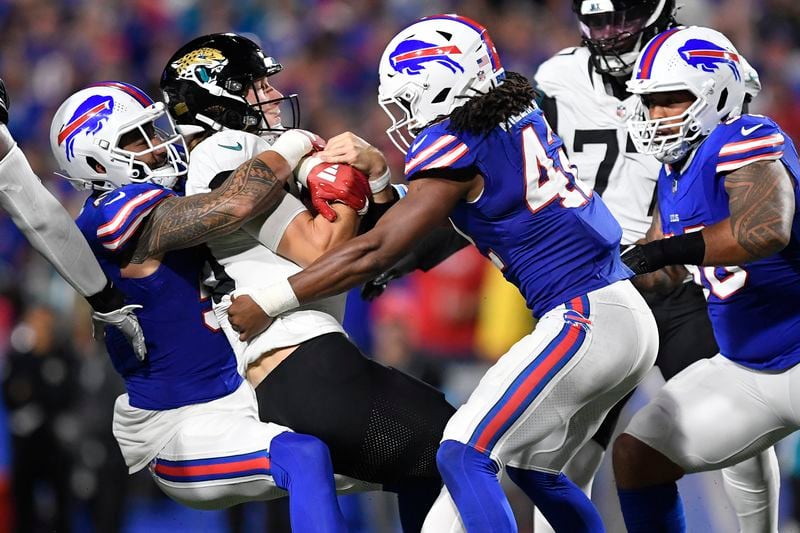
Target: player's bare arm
x,y
308,237
761,201
427,204
255,187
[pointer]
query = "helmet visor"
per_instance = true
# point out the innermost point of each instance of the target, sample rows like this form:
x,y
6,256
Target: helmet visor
x,y
616,31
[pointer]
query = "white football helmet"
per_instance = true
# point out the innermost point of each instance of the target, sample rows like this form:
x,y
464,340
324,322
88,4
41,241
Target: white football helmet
x,y
432,67
89,126
695,59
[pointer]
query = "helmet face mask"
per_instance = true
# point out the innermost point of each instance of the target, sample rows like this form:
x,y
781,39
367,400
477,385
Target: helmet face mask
x,y
111,134
205,85
614,31
694,59
432,67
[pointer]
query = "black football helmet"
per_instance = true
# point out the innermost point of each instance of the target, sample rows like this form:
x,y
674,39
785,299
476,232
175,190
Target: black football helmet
x,y
614,31
205,83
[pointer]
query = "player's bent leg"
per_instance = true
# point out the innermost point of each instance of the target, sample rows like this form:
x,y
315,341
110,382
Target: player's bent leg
x,y
594,349
565,505
679,432
471,479
753,487
301,464
380,425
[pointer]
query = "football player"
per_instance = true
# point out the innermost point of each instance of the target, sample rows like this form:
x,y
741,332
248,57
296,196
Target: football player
x,y
479,151
51,231
726,198
381,425
584,98
187,414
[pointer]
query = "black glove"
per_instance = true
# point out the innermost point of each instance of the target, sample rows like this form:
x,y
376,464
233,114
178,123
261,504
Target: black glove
x,y
374,288
4,103
110,309
636,258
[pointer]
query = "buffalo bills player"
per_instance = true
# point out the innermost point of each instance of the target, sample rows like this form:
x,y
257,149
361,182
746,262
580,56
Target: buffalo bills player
x,y
380,425
726,199
50,230
582,93
479,151
187,413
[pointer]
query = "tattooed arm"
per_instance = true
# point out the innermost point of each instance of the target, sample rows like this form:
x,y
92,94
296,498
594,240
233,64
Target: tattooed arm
x,y
761,200
254,188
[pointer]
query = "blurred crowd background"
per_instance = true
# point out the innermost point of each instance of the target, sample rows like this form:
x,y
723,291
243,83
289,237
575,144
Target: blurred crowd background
x,y
60,469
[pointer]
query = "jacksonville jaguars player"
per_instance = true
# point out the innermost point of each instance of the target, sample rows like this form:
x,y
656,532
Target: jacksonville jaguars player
x,y
727,197
187,413
584,98
479,151
51,231
381,425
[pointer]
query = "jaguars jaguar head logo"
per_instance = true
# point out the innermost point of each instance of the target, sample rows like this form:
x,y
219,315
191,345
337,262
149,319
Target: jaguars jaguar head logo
x,y
201,65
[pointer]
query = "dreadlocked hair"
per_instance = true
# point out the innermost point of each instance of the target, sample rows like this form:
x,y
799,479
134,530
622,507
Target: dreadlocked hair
x,y
481,114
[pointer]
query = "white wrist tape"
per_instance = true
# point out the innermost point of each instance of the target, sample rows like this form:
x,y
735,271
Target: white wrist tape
x,y
292,146
273,299
380,183
305,168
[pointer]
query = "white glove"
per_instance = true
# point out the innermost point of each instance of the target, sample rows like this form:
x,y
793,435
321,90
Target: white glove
x,y
127,322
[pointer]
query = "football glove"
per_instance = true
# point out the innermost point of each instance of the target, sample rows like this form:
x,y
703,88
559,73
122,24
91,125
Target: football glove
x,y
109,310
635,258
374,288
338,182
125,320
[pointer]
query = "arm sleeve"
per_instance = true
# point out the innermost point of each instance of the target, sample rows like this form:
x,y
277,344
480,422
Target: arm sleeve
x,y
437,246
269,230
47,225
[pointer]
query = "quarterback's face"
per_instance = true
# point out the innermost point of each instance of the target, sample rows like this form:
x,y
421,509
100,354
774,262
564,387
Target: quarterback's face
x,y
667,105
262,91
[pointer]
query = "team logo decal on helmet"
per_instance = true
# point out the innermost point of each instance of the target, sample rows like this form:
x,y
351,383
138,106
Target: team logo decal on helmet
x,y
200,65
707,56
88,118
411,55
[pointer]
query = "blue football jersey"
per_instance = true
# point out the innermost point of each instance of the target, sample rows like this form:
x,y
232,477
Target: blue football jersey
x,y
754,307
189,359
550,238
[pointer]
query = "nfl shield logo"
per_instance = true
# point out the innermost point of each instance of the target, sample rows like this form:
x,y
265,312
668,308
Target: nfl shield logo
x,y
621,111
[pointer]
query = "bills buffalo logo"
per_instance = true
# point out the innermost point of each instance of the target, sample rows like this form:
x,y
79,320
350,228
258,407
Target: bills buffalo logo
x,y
411,55
708,56
88,118
200,65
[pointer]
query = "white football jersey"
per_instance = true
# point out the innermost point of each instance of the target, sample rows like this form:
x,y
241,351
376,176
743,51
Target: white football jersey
x,y
591,122
248,255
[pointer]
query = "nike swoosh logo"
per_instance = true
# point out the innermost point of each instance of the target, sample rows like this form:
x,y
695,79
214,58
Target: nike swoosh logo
x,y
117,197
748,131
417,143
236,147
